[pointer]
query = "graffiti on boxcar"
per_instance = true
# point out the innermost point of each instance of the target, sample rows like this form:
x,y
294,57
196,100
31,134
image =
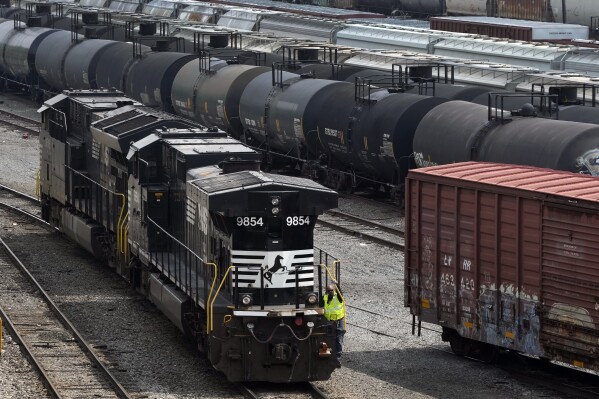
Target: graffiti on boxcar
x,y
519,322
428,267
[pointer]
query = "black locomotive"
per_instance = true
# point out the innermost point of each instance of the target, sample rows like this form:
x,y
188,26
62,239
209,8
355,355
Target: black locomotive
x,y
185,214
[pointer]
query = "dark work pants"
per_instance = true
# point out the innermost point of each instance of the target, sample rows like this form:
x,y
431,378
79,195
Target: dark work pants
x,y
339,336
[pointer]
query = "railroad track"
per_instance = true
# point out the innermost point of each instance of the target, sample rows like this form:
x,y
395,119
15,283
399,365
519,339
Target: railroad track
x,y
363,228
20,203
19,122
294,390
65,361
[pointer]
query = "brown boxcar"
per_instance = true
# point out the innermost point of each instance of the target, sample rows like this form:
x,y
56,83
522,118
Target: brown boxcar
x,y
511,29
505,256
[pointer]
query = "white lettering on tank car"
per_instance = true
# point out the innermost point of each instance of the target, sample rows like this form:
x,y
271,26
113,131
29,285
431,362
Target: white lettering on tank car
x,y
332,132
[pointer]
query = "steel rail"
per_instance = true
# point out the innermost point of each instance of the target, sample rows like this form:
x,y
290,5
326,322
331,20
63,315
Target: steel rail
x,y
357,233
118,388
33,360
367,222
18,121
19,194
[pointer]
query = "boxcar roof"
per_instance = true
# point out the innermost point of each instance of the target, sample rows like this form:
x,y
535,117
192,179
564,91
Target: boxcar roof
x,y
528,178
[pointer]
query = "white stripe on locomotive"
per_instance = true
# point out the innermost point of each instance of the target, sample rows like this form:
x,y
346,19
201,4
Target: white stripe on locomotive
x,y
279,268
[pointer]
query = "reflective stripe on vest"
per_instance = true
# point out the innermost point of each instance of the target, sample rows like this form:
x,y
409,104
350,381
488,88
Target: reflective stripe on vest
x,y
333,310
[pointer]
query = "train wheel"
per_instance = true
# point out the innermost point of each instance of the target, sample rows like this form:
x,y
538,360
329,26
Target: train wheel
x,y
486,353
459,345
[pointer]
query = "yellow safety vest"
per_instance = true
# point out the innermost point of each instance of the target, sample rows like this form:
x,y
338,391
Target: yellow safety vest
x,y
333,310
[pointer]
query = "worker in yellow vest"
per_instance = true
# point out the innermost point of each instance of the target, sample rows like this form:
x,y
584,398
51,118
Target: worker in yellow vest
x,y
334,311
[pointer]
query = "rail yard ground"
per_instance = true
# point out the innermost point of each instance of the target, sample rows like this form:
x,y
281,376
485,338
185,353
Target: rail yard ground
x,y
381,359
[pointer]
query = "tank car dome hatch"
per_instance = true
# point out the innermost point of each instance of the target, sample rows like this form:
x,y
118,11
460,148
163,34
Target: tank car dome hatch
x,y
527,110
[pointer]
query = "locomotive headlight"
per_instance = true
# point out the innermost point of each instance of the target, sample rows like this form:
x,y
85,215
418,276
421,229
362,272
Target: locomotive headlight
x,y
311,299
275,210
310,324
245,299
250,326
275,201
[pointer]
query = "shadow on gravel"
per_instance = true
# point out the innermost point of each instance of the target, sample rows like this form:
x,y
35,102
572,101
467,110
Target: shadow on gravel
x,y
425,370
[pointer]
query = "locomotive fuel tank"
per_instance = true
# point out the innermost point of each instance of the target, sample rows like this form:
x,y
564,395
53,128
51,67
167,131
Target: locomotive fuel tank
x,y
218,96
19,52
460,131
81,63
150,79
185,86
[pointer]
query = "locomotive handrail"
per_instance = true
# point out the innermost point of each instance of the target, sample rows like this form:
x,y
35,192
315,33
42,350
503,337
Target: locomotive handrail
x,y
209,314
121,228
123,202
120,216
38,182
202,261
126,246
211,307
